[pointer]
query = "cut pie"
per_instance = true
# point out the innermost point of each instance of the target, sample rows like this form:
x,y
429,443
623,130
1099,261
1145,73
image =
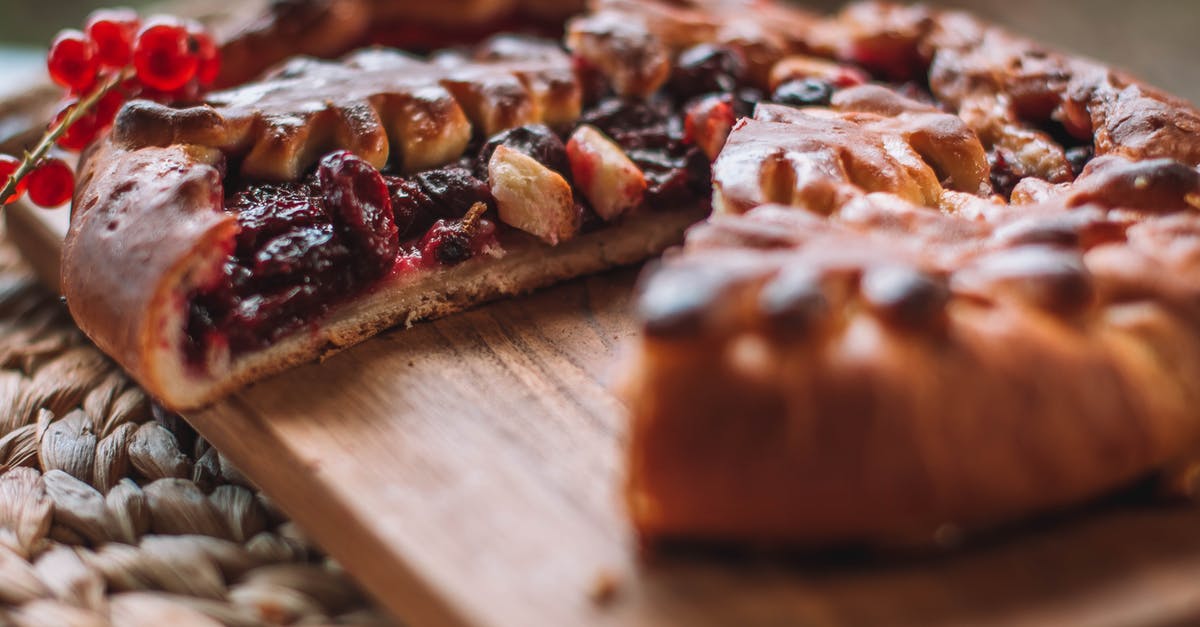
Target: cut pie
x,y
963,294
951,280
213,244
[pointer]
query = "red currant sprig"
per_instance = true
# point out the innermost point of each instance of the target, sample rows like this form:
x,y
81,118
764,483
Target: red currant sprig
x,y
117,57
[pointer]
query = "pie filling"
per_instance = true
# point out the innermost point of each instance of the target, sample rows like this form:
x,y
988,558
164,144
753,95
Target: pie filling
x,y
306,246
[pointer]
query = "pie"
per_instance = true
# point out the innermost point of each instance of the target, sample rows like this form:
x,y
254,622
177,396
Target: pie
x,y
950,281
946,300
285,219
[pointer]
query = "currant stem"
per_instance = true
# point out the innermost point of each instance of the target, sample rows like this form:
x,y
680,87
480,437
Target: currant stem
x,y
32,159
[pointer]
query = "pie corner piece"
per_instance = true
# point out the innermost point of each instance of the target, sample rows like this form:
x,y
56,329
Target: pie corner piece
x,y
964,294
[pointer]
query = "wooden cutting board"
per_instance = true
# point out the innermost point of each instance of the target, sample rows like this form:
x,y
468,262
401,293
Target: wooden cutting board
x,y
467,472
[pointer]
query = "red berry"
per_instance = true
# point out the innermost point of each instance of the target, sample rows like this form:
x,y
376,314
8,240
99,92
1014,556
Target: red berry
x,y
112,31
163,55
8,165
81,91
130,88
210,57
82,132
107,108
51,184
850,77
72,60
446,242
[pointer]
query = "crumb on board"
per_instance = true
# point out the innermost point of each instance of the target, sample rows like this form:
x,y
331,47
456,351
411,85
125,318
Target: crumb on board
x,y
605,586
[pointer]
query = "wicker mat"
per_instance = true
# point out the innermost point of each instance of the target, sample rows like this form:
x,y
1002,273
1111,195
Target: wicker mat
x,y
113,511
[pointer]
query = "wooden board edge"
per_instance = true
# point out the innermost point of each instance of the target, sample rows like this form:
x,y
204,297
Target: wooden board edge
x,y
401,590
38,235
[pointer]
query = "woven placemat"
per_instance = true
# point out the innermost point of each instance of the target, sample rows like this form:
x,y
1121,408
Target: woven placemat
x,y
113,511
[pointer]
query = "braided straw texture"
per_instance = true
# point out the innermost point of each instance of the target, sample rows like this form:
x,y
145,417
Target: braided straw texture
x,y
115,512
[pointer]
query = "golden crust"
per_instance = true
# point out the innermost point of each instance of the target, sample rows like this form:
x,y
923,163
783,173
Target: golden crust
x,y
327,28
632,43
319,28
896,351
897,370
149,230
462,13
146,229
819,159
378,104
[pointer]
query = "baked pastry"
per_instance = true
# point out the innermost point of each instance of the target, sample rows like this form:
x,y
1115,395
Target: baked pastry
x,y
950,239
294,216
279,221
961,295
327,28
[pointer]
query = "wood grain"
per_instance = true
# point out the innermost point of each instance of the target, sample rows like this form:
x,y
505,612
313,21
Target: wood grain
x,y
467,472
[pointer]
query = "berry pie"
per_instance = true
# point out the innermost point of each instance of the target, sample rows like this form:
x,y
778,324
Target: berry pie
x,y
288,218
962,292
950,279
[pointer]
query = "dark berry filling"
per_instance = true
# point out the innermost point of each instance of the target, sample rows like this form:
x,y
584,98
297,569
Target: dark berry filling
x,y
808,92
305,246
451,242
1079,157
707,69
301,247
535,140
1005,172
652,134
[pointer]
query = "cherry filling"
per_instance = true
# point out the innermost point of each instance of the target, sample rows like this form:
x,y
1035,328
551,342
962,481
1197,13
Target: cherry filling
x,y
653,136
306,246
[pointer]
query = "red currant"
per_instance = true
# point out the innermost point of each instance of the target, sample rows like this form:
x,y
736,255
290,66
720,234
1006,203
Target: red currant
x,y
112,31
72,60
82,132
163,55
206,51
130,88
9,165
81,91
51,184
107,108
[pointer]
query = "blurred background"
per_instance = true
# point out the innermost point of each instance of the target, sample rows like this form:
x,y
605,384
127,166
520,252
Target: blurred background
x,y
1158,40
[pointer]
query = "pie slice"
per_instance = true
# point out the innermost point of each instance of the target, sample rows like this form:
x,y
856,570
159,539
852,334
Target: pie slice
x,y
276,222
279,221
961,295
